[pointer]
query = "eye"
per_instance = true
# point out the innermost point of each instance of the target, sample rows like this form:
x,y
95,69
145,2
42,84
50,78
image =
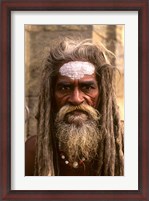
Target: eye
x,y
64,88
87,88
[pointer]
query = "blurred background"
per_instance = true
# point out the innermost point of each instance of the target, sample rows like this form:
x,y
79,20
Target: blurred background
x,y
38,37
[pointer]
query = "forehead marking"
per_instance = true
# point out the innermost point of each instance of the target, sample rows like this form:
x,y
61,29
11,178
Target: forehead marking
x,y
77,69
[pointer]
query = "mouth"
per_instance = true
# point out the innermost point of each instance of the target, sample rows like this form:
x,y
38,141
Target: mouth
x,y
77,112
76,117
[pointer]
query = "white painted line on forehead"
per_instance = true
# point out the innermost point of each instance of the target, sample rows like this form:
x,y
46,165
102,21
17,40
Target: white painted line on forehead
x,y
77,69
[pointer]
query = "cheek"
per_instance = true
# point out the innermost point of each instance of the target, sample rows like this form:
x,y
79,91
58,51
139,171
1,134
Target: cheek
x,y
59,100
95,99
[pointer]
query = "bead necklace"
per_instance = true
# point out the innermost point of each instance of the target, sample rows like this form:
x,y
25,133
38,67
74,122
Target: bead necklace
x,y
74,164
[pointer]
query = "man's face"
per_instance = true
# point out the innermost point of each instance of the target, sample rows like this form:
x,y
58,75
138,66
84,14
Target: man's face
x,y
76,91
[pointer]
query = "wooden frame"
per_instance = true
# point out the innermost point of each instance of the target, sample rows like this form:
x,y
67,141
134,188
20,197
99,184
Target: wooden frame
x,y
5,93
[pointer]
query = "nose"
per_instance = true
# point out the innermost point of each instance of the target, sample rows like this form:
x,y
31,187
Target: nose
x,y
76,97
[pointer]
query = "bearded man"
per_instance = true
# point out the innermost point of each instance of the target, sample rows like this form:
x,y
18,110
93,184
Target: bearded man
x,y
79,130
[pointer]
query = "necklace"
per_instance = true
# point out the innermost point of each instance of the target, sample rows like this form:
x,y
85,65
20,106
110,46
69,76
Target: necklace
x,y
74,164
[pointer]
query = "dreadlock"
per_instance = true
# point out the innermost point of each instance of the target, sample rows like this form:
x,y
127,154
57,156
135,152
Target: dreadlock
x,y
110,156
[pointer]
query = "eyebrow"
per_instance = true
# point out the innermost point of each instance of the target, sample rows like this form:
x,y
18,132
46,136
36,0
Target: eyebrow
x,y
87,82
60,83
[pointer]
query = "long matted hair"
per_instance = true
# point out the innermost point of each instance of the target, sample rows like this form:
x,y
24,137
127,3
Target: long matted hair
x,y
110,158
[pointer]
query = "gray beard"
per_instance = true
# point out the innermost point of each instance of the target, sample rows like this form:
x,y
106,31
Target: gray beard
x,y
78,136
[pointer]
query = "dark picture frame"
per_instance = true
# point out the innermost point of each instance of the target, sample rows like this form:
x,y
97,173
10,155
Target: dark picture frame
x,y
5,104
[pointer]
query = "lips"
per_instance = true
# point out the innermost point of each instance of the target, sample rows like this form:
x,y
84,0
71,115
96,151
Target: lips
x,y
77,112
76,117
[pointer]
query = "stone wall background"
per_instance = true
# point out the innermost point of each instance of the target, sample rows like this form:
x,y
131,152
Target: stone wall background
x,y
112,36
38,37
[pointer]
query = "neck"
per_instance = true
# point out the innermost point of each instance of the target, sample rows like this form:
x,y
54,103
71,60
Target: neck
x,y
80,167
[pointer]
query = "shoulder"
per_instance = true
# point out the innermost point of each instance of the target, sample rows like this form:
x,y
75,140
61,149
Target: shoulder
x,y
31,141
30,150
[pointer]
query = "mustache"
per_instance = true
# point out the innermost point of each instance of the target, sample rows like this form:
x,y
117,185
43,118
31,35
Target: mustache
x,y
92,112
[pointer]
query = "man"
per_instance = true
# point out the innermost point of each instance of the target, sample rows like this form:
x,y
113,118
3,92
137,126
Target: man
x,y
79,130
